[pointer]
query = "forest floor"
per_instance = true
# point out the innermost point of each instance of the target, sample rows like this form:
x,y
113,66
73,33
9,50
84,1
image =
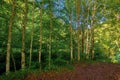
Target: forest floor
x,y
82,71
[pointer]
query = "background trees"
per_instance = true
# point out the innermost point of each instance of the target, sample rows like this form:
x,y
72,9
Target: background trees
x,y
63,31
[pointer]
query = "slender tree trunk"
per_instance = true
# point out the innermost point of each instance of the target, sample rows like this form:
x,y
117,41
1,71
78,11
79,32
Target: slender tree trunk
x,y
87,42
92,41
87,35
14,64
23,36
32,35
71,43
78,25
40,49
50,35
92,31
76,47
71,31
10,37
82,40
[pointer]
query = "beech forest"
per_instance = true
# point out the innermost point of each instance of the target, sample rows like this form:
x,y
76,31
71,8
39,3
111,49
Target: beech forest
x,y
59,39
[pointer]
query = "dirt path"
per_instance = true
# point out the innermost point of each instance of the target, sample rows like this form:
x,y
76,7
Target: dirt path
x,y
82,71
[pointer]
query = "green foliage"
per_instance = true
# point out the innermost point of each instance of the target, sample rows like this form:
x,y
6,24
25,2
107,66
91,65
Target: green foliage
x,y
117,57
60,62
34,65
19,75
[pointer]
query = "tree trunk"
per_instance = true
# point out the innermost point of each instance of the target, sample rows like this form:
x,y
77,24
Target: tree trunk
x,y
78,34
13,60
71,31
92,31
71,43
50,36
87,44
82,40
10,37
87,35
40,49
23,36
32,35
78,25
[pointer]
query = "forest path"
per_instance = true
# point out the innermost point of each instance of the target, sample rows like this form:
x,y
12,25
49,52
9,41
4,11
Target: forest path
x,y
82,71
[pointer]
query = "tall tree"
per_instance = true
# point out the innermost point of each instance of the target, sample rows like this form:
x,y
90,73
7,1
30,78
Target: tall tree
x,y
40,48
50,33
32,35
71,43
87,31
92,29
10,37
83,39
23,35
71,30
78,25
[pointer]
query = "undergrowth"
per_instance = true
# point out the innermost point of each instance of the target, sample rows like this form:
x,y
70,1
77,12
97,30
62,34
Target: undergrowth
x,y
22,74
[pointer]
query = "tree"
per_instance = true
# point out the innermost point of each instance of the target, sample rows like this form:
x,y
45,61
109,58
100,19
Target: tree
x,y
50,34
10,37
69,9
92,29
32,35
87,45
71,43
40,49
24,25
78,26
71,31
